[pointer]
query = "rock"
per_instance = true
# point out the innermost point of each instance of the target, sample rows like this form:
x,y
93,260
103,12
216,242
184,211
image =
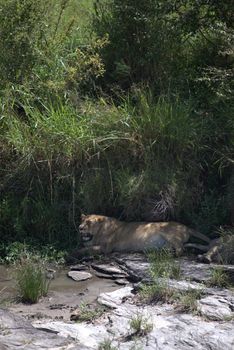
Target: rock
x,y
79,267
120,275
216,308
195,271
185,285
17,333
114,276
79,275
87,335
121,282
113,299
107,269
168,331
103,275
135,265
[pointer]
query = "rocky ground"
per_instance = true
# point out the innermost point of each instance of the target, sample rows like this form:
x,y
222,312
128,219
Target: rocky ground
x,y
127,322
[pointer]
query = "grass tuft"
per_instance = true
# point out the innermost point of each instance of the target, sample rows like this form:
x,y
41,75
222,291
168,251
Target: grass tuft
x,y
140,325
106,344
162,267
186,302
32,282
219,278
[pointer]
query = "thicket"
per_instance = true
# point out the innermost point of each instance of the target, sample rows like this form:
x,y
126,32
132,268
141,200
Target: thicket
x,y
124,108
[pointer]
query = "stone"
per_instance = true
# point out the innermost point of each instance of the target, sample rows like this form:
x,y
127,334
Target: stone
x,y
86,334
107,269
79,275
113,299
121,282
17,333
79,267
103,275
216,308
168,331
135,265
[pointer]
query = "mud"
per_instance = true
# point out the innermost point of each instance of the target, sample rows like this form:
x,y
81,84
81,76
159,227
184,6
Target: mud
x,y
65,295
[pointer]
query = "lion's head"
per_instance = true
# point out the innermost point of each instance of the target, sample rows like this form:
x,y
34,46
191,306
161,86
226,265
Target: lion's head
x,y
89,227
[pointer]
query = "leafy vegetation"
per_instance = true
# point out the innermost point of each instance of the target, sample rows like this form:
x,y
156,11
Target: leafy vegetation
x,y
15,252
115,107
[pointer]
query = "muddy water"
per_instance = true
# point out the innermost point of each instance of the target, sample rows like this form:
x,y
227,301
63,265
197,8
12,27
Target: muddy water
x,y
64,295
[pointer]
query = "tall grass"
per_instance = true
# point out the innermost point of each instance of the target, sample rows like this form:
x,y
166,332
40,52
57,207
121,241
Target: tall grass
x,y
31,281
125,160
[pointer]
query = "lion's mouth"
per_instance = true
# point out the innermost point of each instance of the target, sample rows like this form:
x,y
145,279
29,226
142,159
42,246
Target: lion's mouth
x,y
87,237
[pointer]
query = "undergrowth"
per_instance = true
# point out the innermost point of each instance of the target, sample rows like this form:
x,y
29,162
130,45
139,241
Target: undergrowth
x,y
116,109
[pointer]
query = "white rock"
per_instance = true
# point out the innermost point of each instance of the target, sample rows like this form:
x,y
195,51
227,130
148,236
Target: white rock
x,y
113,299
79,275
108,269
85,334
215,308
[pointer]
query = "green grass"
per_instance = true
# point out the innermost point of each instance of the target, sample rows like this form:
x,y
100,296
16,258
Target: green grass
x,y
31,281
140,325
219,278
66,154
163,264
106,344
87,313
162,267
186,302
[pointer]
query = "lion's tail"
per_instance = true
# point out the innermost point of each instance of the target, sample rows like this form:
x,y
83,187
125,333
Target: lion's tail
x,y
199,235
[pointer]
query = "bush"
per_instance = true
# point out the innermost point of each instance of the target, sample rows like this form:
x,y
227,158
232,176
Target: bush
x,y
23,30
141,44
142,162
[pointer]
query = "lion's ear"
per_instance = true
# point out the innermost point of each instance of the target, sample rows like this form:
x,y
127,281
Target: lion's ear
x,y
83,216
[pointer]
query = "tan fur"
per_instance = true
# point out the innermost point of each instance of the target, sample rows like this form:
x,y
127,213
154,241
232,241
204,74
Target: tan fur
x,y
111,235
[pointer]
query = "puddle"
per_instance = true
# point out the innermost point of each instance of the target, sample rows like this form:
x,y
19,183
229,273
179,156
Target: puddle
x,y
64,294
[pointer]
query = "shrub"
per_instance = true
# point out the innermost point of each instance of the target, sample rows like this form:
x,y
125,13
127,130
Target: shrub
x,y
23,28
139,41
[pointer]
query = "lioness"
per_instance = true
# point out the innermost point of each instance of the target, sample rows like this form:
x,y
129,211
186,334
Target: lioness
x,y
102,234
